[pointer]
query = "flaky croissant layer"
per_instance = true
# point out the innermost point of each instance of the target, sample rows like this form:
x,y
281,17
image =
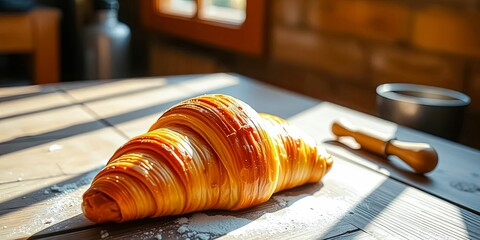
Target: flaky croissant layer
x,y
208,152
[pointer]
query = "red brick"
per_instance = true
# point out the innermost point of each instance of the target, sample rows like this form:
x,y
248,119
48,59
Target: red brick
x,y
288,12
446,30
378,20
390,64
337,56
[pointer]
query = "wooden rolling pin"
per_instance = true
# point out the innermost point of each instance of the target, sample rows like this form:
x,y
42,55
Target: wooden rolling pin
x,y
421,157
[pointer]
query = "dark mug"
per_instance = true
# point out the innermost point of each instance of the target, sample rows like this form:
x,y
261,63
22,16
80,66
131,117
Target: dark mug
x,y
434,110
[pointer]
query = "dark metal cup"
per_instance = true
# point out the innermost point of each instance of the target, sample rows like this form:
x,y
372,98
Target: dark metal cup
x,y
433,110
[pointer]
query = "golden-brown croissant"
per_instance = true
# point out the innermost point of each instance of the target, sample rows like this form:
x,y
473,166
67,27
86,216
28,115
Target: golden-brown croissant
x,y
209,152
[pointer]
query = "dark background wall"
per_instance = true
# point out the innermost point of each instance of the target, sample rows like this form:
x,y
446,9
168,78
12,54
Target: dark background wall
x,y
334,50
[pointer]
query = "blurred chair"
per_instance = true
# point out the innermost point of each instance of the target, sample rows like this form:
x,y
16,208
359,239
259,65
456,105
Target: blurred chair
x,y
35,32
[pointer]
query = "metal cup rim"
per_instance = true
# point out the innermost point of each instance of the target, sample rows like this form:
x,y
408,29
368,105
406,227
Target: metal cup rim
x,y
391,91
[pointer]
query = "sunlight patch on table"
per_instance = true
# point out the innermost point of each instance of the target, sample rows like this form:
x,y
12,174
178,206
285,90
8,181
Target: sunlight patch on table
x,y
317,213
326,113
209,83
144,105
34,103
44,124
417,214
79,153
14,91
112,88
46,214
138,126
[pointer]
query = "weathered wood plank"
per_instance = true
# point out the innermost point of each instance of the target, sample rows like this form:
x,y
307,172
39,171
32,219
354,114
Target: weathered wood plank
x,y
95,90
352,201
47,157
20,92
40,141
134,112
455,179
34,103
53,123
31,206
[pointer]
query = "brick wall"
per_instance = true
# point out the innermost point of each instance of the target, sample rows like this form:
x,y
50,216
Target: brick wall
x,y
360,44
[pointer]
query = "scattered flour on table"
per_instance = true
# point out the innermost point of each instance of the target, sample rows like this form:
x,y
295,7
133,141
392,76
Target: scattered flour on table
x,y
217,225
143,234
300,213
182,220
203,236
203,227
64,188
297,214
104,234
55,147
183,229
58,207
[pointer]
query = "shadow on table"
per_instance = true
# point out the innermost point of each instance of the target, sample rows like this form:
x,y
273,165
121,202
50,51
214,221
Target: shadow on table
x,y
369,211
104,97
254,93
382,162
45,193
170,227
49,88
360,216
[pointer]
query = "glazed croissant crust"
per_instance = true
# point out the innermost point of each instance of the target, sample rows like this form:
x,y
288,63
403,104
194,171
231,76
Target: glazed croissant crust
x,y
208,152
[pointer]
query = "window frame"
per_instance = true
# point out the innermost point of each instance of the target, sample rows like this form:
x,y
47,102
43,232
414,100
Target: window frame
x,y
247,37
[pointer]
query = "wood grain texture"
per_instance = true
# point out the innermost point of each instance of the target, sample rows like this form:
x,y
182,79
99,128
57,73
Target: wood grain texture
x,y
34,205
364,196
455,178
365,204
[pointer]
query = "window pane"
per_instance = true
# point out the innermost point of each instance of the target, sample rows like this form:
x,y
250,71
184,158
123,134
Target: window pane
x,y
178,7
228,11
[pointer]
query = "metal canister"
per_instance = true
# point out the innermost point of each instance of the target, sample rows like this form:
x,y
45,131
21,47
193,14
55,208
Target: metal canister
x,y
106,43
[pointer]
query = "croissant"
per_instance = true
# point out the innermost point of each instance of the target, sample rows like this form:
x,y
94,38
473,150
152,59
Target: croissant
x,y
208,152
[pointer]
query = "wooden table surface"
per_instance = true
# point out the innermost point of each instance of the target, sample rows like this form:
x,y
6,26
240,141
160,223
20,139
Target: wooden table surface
x,y
55,138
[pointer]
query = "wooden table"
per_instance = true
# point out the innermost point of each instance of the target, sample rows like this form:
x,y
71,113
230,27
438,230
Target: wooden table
x,y
54,138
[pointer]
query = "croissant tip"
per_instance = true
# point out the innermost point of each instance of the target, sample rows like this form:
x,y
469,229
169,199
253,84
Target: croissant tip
x,y
99,207
323,154
329,163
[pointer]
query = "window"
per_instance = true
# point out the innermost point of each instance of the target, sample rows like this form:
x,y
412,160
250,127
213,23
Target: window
x,y
227,11
186,8
232,24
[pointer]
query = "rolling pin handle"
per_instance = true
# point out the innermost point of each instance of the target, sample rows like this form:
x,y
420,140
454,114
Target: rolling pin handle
x,y
368,142
421,157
